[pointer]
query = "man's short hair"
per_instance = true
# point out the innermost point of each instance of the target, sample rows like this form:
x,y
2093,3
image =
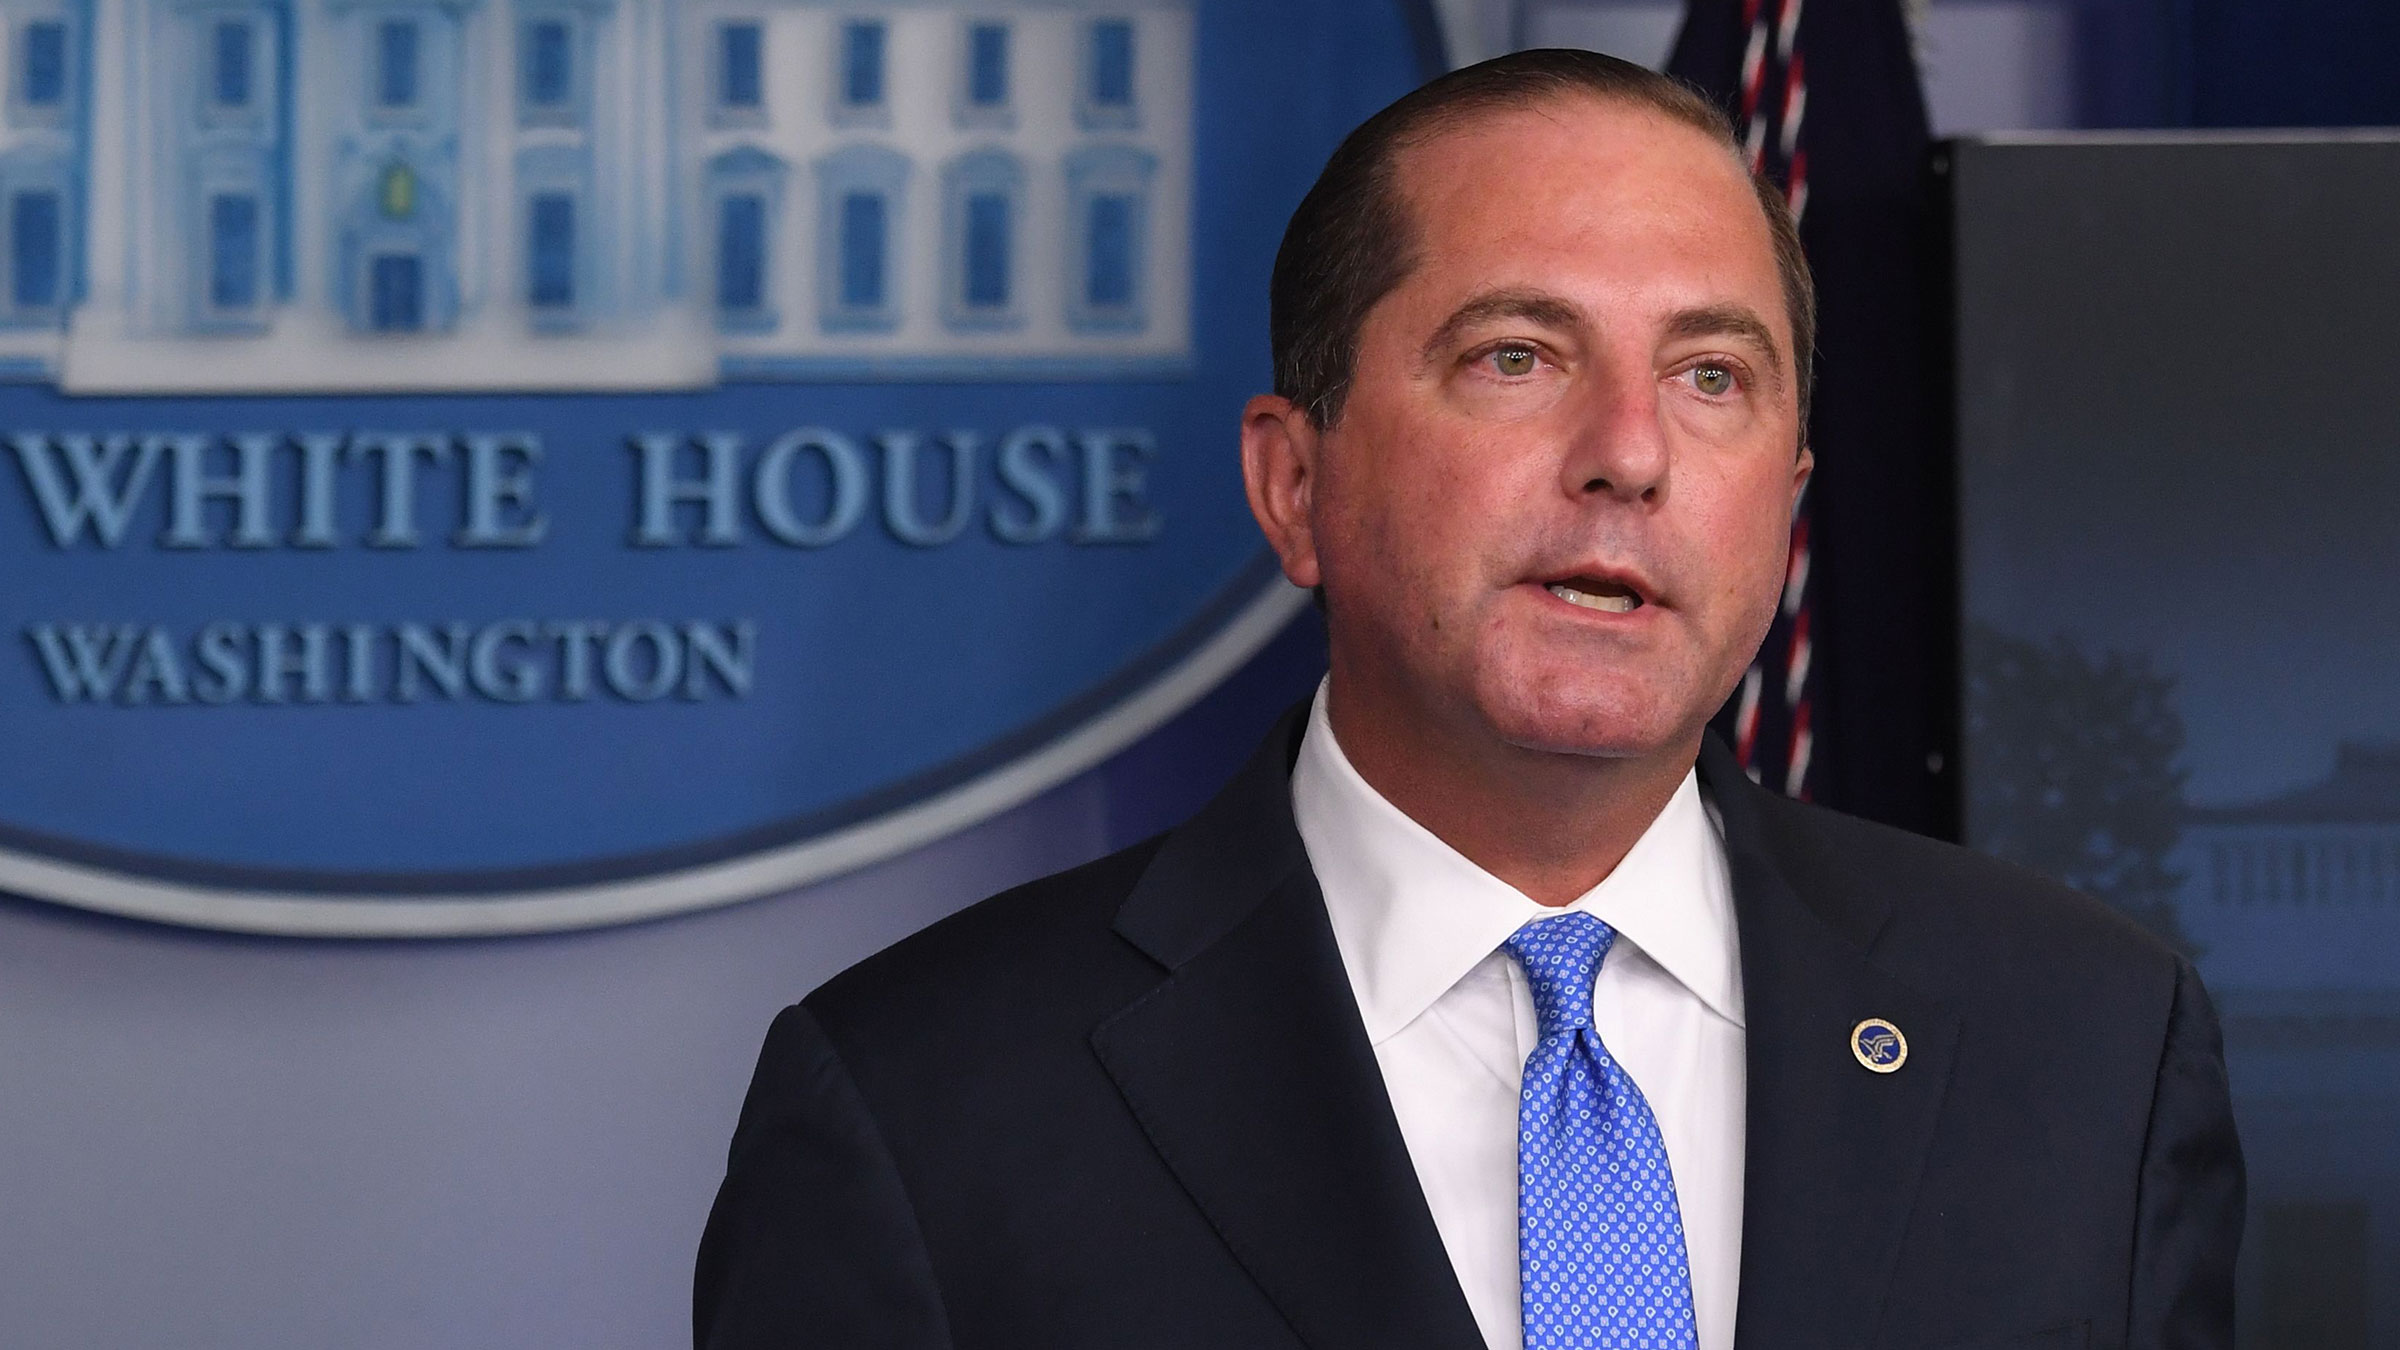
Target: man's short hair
x,y
1352,240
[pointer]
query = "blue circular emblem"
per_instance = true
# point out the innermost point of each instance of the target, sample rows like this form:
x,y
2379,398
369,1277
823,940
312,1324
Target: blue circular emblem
x,y
592,462
1879,1045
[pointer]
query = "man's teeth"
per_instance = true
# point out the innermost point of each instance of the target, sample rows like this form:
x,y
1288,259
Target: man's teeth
x,y
1614,604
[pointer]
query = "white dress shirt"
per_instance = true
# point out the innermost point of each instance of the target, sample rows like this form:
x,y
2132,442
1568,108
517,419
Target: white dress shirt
x,y
1451,1017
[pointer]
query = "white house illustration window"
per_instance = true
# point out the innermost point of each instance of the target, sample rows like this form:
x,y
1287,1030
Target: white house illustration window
x,y
230,82
1108,200
745,193
396,66
396,287
550,250
858,279
858,75
865,232
1106,98
34,247
236,249
984,96
987,65
36,222
553,64
231,86
557,222
981,192
987,250
738,72
741,253
42,70
43,65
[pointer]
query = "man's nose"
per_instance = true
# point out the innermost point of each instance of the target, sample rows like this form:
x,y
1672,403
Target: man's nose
x,y
1616,440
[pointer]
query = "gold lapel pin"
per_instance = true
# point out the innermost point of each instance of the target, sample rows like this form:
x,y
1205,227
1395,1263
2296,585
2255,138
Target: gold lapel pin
x,y
1879,1045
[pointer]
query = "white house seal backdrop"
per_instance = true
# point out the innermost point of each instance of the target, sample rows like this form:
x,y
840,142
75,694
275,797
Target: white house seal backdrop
x,y
486,467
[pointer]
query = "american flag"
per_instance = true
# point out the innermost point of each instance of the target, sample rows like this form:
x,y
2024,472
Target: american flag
x,y
1845,138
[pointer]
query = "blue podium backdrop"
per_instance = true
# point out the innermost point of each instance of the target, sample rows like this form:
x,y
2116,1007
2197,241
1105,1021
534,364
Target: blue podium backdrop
x,y
481,469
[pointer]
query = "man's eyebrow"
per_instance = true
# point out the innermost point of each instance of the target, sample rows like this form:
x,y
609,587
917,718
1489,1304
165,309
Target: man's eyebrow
x,y
1736,321
1536,307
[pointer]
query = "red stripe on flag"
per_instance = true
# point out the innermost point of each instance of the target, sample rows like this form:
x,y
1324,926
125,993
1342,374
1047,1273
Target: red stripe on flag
x,y
1795,773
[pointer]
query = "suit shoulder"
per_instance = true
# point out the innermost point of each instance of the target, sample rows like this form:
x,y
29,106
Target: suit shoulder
x,y
1942,904
1046,937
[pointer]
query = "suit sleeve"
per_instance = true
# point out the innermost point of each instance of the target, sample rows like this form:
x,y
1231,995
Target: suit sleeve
x,y
2191,1207
813,1241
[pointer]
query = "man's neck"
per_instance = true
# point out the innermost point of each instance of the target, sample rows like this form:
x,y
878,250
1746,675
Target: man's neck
x,y
1550,824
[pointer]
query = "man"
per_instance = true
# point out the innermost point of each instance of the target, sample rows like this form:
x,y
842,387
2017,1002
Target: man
x,y
1472,1012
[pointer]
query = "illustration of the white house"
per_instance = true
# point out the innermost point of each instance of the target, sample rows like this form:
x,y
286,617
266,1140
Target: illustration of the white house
x,y
2300,891
283,195
2294,904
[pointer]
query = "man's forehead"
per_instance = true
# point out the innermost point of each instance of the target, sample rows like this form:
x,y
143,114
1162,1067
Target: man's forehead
x,y
1463,144
1500,196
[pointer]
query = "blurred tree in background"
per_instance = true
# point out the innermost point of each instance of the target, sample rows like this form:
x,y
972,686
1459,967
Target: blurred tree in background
x,y
2075,769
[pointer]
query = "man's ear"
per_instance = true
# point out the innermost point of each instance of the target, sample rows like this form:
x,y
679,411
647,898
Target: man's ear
x,y
1279,470
1803,468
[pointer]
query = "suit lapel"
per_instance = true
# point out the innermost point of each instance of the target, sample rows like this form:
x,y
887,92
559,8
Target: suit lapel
x,y
1251,1072
1835,1152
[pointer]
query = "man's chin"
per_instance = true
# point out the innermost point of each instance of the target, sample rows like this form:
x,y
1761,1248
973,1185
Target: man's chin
x,y
1601,729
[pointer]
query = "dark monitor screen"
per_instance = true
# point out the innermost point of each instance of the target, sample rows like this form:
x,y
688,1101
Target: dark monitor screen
x,y
2179,470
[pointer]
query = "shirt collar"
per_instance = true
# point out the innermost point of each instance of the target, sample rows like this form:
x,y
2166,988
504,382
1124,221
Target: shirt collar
x,y
1413,916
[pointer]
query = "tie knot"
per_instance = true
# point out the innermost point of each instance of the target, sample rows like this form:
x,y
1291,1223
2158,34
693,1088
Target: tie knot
x,y
1561,957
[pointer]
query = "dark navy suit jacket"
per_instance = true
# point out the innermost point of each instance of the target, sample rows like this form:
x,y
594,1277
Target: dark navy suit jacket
x,y
1132,1107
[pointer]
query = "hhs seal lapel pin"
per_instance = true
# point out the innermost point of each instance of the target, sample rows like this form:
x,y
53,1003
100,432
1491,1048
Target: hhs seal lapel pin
x,y
1879,1045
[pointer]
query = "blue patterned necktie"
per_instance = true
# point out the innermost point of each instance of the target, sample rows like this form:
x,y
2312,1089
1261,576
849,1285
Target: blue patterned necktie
x,y
1599,1235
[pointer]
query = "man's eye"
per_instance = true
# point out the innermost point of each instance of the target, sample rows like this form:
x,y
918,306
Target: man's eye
x,y
1712,379
1516,360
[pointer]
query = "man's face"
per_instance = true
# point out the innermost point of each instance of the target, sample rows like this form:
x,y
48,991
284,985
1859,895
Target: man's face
x,y
1555,506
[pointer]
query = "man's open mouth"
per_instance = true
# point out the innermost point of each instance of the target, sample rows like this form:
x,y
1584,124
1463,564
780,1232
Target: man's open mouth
x,y
1613,597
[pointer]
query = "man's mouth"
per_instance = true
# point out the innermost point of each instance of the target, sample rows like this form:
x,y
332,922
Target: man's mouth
x,y
1611,597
